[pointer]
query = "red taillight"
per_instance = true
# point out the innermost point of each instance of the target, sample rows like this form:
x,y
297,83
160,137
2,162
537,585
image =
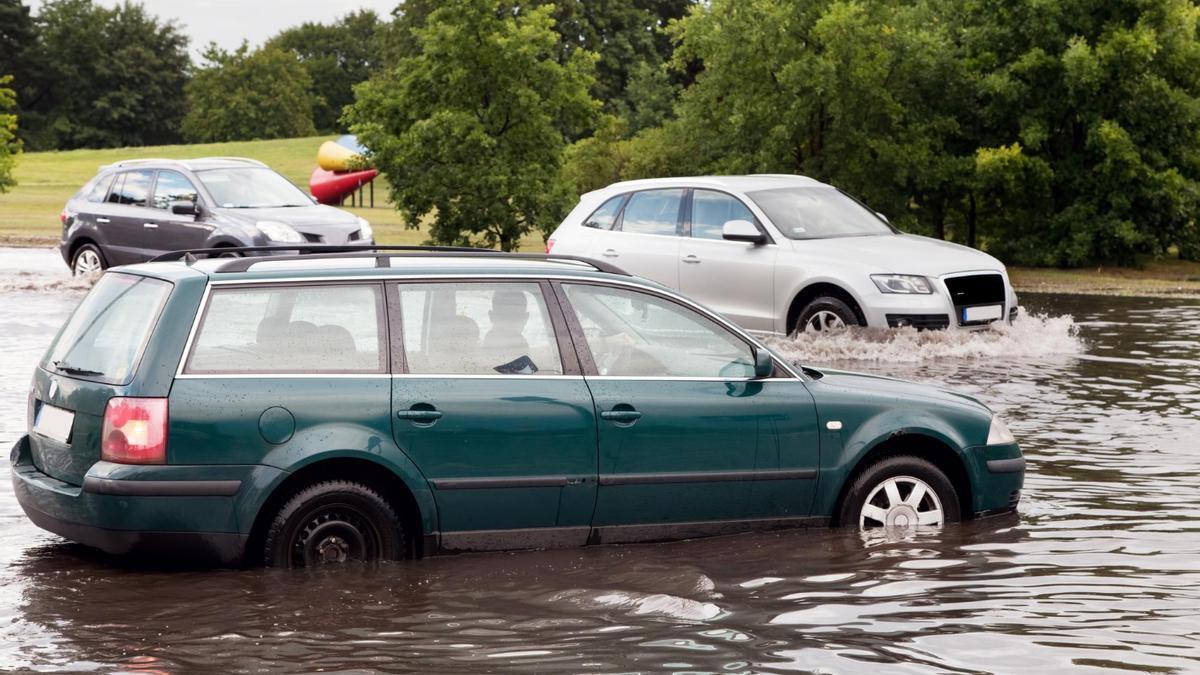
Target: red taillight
x,y
549,245
62,217
134,431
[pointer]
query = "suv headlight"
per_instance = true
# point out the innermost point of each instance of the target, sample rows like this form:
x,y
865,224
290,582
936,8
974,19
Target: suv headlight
x,y
364,229
279,231
909,284
998,433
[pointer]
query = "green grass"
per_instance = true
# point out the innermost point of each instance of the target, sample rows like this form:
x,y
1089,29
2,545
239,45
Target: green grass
x,y
46,180
1168,277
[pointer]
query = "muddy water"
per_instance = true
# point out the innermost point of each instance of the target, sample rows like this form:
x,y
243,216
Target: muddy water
x,y
1100,570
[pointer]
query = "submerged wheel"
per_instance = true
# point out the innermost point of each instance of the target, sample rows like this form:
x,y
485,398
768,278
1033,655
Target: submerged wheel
x,y
87,260
899,493
825,313
334,522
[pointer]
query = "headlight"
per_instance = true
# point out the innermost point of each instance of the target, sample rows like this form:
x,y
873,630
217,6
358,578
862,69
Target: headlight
x,y
902,283
278,231
998,433
364,229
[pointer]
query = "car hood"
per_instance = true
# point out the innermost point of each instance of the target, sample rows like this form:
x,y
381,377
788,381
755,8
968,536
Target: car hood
x,y
318,218
901,254
901,390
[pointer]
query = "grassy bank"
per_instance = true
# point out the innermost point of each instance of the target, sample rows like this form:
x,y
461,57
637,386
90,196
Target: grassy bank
x,y
46,180
1155,278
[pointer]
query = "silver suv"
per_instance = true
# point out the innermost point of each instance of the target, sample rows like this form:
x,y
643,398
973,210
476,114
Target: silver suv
x,y
783,253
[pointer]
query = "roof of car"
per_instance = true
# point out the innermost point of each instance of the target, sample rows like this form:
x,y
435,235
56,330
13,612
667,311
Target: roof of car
x,y
196,164
748,183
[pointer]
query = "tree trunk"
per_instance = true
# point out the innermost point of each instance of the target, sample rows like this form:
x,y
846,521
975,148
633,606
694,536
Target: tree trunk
x,y
971,219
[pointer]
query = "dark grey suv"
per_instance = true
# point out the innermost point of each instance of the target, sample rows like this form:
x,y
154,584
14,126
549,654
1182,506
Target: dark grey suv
x,y
134,210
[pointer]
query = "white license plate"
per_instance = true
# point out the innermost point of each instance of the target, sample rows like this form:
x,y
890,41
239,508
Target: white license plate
x,y
54,423
984,313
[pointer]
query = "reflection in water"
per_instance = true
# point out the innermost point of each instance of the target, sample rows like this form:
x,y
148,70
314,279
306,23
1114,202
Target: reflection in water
x,y
1100,569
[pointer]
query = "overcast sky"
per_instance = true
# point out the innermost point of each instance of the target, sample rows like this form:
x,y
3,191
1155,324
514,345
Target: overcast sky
x,y
228,22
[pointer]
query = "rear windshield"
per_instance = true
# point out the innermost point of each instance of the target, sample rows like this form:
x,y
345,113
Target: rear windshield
x,y
103,339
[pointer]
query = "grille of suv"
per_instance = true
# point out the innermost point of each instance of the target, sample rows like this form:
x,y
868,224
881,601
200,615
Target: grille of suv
x,y
975,289
313,238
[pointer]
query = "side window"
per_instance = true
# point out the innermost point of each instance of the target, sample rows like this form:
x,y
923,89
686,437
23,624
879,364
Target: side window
x,y
711,210
653,212
114,195
134,189
99,189
291,329
604,217
478,329
633,334
172,186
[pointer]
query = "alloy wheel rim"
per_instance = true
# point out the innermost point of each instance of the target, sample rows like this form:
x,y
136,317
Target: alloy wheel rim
x,y
823,320
87,262
902,502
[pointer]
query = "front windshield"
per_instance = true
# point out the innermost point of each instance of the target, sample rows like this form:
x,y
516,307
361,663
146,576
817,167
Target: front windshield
x,y
251,188
818,213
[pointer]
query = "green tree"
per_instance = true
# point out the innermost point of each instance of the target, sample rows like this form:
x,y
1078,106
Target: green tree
x,y
10,146
337,56
244,95
470,131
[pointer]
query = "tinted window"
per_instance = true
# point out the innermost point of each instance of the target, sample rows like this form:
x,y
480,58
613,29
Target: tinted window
x,y
99,189
652,212
134,189
104,337
114,195
604,217
711,210
478,329
634,334
817,212
291,329
172,186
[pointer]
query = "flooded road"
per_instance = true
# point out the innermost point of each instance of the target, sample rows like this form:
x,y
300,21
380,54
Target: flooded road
x,y
1099,570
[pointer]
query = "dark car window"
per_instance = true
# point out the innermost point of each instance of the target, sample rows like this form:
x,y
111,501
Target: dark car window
x,y
99,189
173,186
134,190
712,209
114,195
653,212
604,217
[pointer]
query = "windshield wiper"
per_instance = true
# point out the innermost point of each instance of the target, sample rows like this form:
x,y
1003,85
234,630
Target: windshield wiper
x,y
72,370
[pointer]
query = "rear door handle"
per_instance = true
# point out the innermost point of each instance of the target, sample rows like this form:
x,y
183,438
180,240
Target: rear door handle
x,y
152,226
691,260
622,413
610,253
103,220
419,415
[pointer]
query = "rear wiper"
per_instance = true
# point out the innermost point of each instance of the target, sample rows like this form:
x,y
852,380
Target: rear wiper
x,y
72,370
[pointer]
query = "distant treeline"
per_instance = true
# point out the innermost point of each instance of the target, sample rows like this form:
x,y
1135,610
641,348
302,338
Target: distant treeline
x,y
1049,133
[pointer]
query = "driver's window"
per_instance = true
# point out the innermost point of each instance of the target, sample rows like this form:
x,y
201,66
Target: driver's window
x,y
632,334
477,329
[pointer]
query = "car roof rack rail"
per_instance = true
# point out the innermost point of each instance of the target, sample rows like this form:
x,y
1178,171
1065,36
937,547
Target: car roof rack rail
x,y
139,160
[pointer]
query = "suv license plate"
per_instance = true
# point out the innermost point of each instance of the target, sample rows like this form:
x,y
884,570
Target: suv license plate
x,y
54,423
984,313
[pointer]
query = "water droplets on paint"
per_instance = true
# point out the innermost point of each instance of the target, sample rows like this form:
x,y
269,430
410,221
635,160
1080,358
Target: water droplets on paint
x,y
1029,336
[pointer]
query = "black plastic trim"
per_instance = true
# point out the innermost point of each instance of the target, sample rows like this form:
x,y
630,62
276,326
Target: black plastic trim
x,y
161,488
503,482
1014,465
706,476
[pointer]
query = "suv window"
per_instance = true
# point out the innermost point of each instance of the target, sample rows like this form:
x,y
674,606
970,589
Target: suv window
x,y
99,189
478,329
604,217
291,329
632,334
134,190
172,186
712,209
653,212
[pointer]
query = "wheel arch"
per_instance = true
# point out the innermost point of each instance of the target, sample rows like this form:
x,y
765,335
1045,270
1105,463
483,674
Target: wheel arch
x,y
79,242
814,290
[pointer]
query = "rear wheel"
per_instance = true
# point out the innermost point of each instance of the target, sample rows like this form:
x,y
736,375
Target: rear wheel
x,y
87,260
334,522
900,493
825,313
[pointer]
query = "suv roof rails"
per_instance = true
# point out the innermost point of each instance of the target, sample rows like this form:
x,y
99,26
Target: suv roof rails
x,y
381,254
140,160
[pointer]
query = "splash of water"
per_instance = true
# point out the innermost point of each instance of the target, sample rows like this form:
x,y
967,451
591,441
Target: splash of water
x,y
44,283
1029,336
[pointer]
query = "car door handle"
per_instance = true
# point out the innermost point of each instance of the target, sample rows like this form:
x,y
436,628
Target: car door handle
x,y
152,226
691,260
419,415
621,413
103,220
610,253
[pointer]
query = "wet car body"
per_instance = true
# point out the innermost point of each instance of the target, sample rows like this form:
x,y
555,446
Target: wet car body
x,y
506,456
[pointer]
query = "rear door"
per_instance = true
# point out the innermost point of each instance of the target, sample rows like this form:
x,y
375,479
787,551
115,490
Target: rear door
x,y
645,238
131,225
489,403
176,232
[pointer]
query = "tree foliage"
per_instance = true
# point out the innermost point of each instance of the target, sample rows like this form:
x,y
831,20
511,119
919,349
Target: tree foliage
x,y
244,95
10,146
471,129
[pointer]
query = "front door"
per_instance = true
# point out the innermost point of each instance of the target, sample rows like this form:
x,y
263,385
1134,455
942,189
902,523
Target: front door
x,y
689,440
494,412
645,239
177,232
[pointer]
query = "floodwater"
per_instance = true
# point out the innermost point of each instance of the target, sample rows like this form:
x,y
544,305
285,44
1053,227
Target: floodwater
x,y
1099,570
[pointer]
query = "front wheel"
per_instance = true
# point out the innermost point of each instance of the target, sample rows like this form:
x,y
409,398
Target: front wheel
x,y
825,313
334,522
900,493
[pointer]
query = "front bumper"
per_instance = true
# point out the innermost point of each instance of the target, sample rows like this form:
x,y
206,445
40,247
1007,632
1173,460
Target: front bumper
x,y
926,312
997,474
145,510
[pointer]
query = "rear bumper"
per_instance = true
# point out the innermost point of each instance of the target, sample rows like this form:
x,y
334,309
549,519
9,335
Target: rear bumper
x,y
127,510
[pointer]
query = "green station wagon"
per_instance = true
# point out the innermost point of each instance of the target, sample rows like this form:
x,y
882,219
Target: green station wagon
x,y
296,410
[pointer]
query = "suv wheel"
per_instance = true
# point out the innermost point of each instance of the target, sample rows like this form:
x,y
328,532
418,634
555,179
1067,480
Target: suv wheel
x,y
334,522
900,492
87,260
823,314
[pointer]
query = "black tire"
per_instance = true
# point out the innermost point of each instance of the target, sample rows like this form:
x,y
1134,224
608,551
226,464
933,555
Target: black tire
x,y
82,253
822,307
229,254
334,521
897,466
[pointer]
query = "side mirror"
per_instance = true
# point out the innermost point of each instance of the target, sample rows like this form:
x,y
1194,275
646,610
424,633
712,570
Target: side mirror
x,y
883,218
742,230
185,208
763,364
